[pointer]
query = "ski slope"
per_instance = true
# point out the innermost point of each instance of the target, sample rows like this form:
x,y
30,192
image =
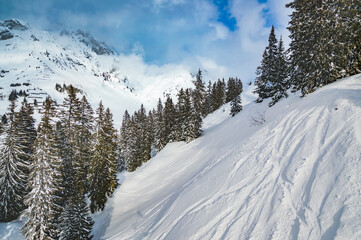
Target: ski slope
x,y
297,176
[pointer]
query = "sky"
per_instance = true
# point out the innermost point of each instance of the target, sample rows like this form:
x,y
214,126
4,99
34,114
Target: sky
x,y
222,37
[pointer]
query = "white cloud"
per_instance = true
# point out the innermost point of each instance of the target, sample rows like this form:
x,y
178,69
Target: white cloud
x,y
185,33
221,31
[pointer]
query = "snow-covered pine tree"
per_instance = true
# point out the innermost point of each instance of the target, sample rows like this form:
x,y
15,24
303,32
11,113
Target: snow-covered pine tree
x,y
143,135
313,44
124,141
169,116
45,182
76,222
74,132
234,88
267,72
26,131
187,111
160,139
280,84
132,149
348,35
199,94
194,122
69,126
236,105
17,142
103,161
208,103
230,89
83,143
182,116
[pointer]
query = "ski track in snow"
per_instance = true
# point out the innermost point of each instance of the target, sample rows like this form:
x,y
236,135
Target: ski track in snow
x,y
295,177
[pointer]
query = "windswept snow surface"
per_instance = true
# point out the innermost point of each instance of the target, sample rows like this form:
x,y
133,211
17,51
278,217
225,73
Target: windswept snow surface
x,y
297,176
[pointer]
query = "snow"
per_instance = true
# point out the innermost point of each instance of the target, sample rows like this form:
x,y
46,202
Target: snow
x,y
63,58
294,177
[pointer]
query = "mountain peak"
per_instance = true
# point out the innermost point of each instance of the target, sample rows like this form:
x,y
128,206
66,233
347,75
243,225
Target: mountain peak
x,y
99,48
14,24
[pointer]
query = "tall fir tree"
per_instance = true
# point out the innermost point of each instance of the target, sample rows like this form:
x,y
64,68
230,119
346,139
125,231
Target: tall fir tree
x,y
280,84
182,115
199,94
103,161
314,60
160,139
45,182
76,126
348,35
125,142
209,103
194,122
267,72
83,142
169,116
15,159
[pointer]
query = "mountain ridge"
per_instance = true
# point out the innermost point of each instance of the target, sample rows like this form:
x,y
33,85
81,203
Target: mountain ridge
x,y
41,59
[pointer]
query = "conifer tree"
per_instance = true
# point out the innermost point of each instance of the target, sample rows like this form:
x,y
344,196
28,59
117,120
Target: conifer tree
x,y
194,122
234,88
143,135
280,84
182,115
125,141
75,134
76,222
313,45
132,147
209,103
103,161
236,105
267,72
45,181
83,144
69,122
199,94
348,35
15,161
169,116
160,139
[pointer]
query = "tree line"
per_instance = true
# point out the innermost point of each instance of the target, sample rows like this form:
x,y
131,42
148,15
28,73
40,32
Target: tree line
x,y
55,175
325,46
142,134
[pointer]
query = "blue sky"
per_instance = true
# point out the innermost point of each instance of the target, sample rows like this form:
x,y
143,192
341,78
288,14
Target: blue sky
x,y
224,37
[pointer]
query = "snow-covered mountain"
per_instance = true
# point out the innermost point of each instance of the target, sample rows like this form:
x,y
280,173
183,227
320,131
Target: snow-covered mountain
x,y
35,61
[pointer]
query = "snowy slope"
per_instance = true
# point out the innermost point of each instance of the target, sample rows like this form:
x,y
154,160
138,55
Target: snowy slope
x,y
294,177
297,176
37,60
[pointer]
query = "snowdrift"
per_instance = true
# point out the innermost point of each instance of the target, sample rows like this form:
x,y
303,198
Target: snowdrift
x,y
294,177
